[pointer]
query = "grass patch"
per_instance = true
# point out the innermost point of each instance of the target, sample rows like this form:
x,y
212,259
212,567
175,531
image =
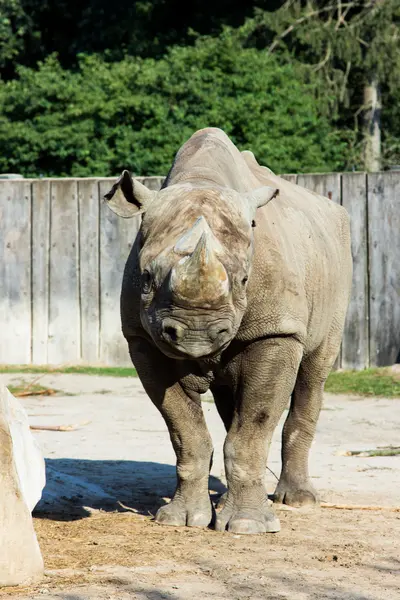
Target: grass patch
x,y
370,382
80,370
380,451
207,397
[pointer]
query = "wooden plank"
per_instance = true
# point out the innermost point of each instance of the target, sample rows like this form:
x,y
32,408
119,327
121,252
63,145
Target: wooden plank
x,y
64,309
355,346
325,184
116,238
289,177
15,272
40,269
153,183
89,262
384,272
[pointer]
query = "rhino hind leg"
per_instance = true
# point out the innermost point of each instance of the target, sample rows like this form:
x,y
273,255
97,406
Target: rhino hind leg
x,y
294,487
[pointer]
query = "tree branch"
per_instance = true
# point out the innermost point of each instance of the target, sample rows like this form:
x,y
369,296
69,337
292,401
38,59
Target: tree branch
x,y
324,60
339,19
360,41
310,15
345,79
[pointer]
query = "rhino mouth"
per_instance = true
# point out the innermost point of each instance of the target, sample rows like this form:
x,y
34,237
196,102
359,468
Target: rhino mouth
x,y
193,352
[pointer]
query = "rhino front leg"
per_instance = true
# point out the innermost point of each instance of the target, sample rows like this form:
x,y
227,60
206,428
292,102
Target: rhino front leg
x,y
191,504
263,379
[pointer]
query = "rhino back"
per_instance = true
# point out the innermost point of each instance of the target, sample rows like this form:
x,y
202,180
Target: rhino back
x,y
210,156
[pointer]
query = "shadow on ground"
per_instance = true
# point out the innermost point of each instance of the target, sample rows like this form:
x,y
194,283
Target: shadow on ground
x,y
75,486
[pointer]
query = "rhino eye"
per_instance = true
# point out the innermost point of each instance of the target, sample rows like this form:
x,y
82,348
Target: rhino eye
x,y
245,280
146,281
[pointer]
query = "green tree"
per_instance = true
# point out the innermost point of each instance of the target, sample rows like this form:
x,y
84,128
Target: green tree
x,y
353,45
14,25
391,129
140,28
137,112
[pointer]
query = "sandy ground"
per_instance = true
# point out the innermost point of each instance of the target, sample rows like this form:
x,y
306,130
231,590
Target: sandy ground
x,y
120,456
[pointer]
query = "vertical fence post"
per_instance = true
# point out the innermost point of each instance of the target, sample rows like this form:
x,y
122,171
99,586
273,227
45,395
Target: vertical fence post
x,y
355,346
64,301
89,265
384,267
15,271
40,270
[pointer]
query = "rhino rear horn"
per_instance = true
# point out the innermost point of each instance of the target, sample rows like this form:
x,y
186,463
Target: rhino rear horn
x,y
128,197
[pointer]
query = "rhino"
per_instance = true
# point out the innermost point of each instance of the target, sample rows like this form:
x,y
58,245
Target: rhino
x,y
238,282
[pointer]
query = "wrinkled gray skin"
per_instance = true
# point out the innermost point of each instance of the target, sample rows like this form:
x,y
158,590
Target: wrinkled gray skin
x,y
238,282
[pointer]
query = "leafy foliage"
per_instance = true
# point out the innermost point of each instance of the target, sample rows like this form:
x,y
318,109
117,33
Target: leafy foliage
x,y
349,44
288,81
142,28
14,25
391,128
336,37
135,113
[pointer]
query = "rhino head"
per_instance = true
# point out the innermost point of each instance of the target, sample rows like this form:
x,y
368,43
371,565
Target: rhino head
x,y
196,249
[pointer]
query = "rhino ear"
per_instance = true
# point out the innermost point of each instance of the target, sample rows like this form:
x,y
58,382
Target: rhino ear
x,y
261,196
128,197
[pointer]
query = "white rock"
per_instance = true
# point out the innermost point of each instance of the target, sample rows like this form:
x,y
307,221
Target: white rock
x,y
22,478
29,461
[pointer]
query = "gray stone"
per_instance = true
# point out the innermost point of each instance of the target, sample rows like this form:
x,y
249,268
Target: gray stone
x,y
22,475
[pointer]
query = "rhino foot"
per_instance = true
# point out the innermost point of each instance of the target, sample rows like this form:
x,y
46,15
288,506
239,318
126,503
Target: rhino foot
x,y
295,494
248,521
181,513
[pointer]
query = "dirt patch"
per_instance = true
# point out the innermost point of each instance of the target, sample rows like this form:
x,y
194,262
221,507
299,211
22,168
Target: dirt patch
x,y
124,455
319,553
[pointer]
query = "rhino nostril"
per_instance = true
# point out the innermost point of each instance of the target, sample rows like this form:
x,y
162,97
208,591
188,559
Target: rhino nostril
x,y
173,333
222,331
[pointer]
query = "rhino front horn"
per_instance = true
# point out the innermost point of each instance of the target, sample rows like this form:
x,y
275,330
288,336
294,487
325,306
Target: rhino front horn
x,y
200,278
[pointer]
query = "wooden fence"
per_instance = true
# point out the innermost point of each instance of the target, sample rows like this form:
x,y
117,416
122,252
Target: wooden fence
x,y
62,254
